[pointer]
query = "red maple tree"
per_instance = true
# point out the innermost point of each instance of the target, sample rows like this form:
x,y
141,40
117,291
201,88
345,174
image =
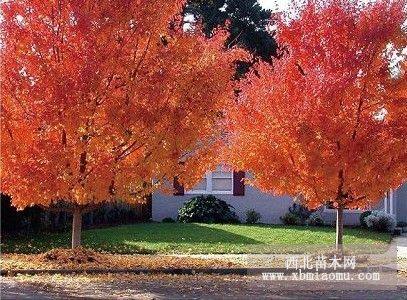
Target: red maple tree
x,y
328,120
100,97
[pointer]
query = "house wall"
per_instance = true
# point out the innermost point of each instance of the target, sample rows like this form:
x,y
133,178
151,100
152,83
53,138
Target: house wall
x,y
270,207
350,218
401,203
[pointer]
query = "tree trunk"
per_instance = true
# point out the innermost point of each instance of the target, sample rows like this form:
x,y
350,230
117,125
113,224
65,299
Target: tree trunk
x,y
76,228
339,229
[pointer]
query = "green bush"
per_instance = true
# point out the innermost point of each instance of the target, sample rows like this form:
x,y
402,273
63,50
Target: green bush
x,y
252,216
401,224
168,220
363,216
290,219
315,219
381,221
297,215
207,209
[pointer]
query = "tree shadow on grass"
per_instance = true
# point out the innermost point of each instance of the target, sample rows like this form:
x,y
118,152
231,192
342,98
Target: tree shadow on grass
x,y
145,238
180,238
149,238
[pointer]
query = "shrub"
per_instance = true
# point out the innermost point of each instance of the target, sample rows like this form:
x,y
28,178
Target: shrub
x,y
290,219
401,224
300,212
252,216
381,221
315,219
168,220
362,218
207,209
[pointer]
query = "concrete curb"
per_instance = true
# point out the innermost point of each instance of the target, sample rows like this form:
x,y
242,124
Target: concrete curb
x,y
175,271
172,271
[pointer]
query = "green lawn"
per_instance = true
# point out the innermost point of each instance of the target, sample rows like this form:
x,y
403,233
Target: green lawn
x,y
197,238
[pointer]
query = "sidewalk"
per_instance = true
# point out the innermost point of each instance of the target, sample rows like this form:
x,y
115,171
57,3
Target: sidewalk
x,y
401,242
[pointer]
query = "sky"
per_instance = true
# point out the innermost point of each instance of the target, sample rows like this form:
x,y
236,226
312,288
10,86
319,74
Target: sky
x,y
275,5
280,5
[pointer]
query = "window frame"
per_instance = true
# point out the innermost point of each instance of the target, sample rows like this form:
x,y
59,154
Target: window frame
x,y
209,186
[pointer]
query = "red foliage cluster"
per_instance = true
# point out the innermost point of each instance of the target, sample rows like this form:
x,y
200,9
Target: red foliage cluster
x,y
328,120
100,97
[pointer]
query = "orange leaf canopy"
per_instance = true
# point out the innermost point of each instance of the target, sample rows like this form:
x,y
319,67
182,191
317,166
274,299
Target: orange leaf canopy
x,y
100,97
328,120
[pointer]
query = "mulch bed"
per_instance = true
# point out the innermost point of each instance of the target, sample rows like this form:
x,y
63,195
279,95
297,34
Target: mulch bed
x,y
85,259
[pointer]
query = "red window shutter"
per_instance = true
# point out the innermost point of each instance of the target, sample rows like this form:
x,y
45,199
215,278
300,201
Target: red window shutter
x,y
238,183
178,188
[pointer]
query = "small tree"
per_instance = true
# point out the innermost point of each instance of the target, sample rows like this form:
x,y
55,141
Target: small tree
x,y
328,121
100,97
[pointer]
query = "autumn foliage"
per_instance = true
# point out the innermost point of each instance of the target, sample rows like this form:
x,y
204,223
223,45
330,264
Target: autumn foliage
x,y
328,120
100,97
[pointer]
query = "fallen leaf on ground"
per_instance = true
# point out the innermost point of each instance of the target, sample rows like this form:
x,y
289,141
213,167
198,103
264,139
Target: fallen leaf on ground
x,y
85,259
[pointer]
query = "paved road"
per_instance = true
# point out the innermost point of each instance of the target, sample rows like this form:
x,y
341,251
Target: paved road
x,y
182,287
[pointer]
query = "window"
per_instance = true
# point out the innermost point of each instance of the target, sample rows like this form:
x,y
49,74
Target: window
x,y
219,181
